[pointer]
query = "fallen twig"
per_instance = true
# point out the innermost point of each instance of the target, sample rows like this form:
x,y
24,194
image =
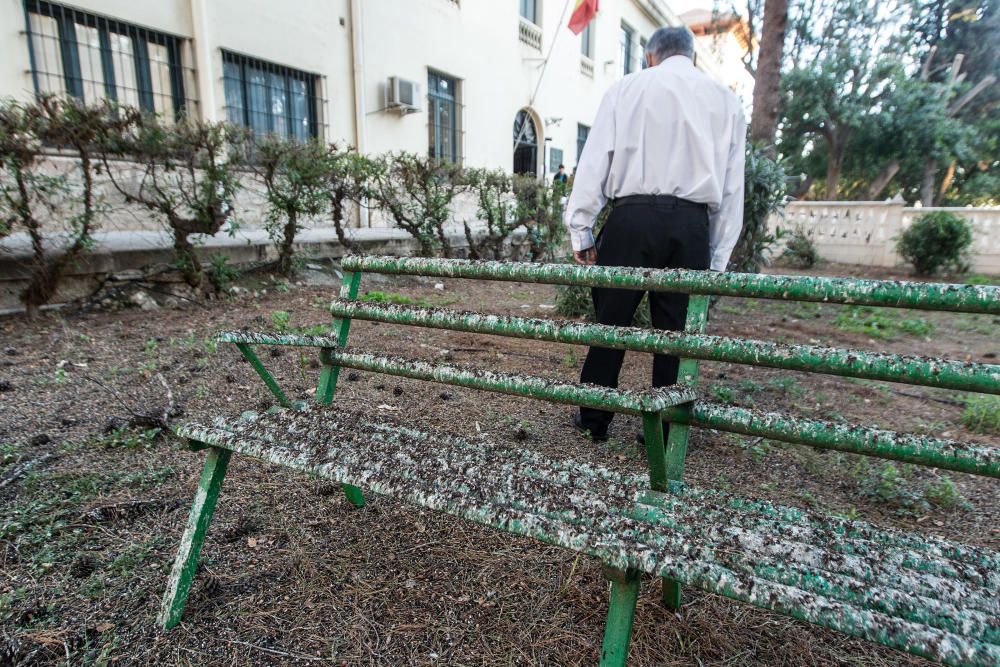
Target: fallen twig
x,y
22,469
143,419
297,656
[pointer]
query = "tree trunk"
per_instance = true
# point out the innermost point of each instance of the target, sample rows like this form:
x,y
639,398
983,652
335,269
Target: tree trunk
x,y
832,176
337,204
286,264
767,83
949,178
927,185
187,260
880,182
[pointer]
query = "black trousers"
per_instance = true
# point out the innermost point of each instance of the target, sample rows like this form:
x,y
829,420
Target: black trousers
x,y
651,233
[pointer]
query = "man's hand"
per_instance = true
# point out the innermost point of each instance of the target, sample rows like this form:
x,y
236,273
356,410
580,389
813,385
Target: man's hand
x,y
586,257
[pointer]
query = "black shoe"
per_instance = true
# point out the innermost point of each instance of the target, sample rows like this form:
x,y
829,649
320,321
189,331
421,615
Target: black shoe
x,y
578,423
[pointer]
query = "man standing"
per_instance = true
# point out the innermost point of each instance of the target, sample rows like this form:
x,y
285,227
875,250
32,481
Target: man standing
x,y
667,150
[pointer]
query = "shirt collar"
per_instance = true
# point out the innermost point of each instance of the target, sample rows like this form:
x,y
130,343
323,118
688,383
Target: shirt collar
x,y
678,61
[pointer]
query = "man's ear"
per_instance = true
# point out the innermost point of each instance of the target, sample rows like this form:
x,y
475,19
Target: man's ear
x,y
649,59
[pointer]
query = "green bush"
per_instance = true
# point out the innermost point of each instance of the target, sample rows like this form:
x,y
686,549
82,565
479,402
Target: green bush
x,y
280,319
800,251
982,414
295,177
765,195
539,210
575,301
221,273
935,241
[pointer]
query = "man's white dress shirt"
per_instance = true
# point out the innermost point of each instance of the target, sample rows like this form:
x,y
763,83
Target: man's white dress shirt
x,y
667,130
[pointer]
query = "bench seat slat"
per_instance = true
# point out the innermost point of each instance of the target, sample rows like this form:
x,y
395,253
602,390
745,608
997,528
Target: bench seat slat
x,y
249,337
692,527
484,485
685,504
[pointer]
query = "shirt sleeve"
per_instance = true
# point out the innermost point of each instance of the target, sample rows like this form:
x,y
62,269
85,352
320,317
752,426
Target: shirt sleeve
x,y
726,223
588,198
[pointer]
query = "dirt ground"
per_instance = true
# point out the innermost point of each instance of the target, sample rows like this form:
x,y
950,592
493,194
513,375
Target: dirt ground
x,y
91,509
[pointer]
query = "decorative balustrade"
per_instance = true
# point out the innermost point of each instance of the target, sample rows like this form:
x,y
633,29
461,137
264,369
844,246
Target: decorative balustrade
x,y
866,232
530,34
587,66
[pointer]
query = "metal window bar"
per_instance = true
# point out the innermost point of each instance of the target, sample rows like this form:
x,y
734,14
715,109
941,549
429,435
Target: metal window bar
x,y
93,57
264,96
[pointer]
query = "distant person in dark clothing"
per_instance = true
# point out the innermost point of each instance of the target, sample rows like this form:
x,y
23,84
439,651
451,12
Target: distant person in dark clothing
x,y
560,176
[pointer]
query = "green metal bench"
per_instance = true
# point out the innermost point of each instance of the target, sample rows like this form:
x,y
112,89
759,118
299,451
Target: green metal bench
x,y
930,597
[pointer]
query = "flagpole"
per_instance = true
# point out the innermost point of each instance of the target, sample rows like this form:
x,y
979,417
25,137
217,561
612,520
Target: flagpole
x,y
545,64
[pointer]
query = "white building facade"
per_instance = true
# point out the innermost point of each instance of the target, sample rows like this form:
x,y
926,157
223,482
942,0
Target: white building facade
x,y
459,79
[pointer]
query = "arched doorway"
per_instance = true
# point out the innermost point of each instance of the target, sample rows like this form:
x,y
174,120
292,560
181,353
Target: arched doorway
x,y
525,144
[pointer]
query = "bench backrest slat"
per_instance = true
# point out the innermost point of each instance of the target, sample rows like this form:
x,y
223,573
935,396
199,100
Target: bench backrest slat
x,y
945,374
888,293
629,402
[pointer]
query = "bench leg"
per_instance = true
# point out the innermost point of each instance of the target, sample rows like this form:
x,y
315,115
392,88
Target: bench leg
x,y
186,563
677,439
621,611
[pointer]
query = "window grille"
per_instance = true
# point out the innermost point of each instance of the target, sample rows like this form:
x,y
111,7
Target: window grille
x,y
272,99
93,57
442,118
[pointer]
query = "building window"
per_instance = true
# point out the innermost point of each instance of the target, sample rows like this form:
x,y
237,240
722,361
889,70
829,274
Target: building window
x,y
627,39
442,122
525,144
587,40
582,131
529,10
270,98
93,57
642,53
555,159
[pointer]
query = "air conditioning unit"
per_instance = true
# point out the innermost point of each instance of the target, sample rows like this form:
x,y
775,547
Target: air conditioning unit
x,y
403,95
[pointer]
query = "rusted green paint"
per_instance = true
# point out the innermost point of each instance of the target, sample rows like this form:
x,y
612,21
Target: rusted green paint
x,y
690,516
186,563
330,372
708,539
557,391
926,596
941,373
678,433
255,338
923,450
340,327
264,375
656,460
621,612
890,293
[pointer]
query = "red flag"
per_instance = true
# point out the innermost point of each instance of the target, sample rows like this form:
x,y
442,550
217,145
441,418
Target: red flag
x,y
583,12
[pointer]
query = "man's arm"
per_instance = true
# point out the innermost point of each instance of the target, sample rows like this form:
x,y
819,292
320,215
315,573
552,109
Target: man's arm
x,y
726,223
587,198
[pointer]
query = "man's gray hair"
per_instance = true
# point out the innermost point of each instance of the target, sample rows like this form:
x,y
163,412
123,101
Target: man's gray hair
x,y
667,42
